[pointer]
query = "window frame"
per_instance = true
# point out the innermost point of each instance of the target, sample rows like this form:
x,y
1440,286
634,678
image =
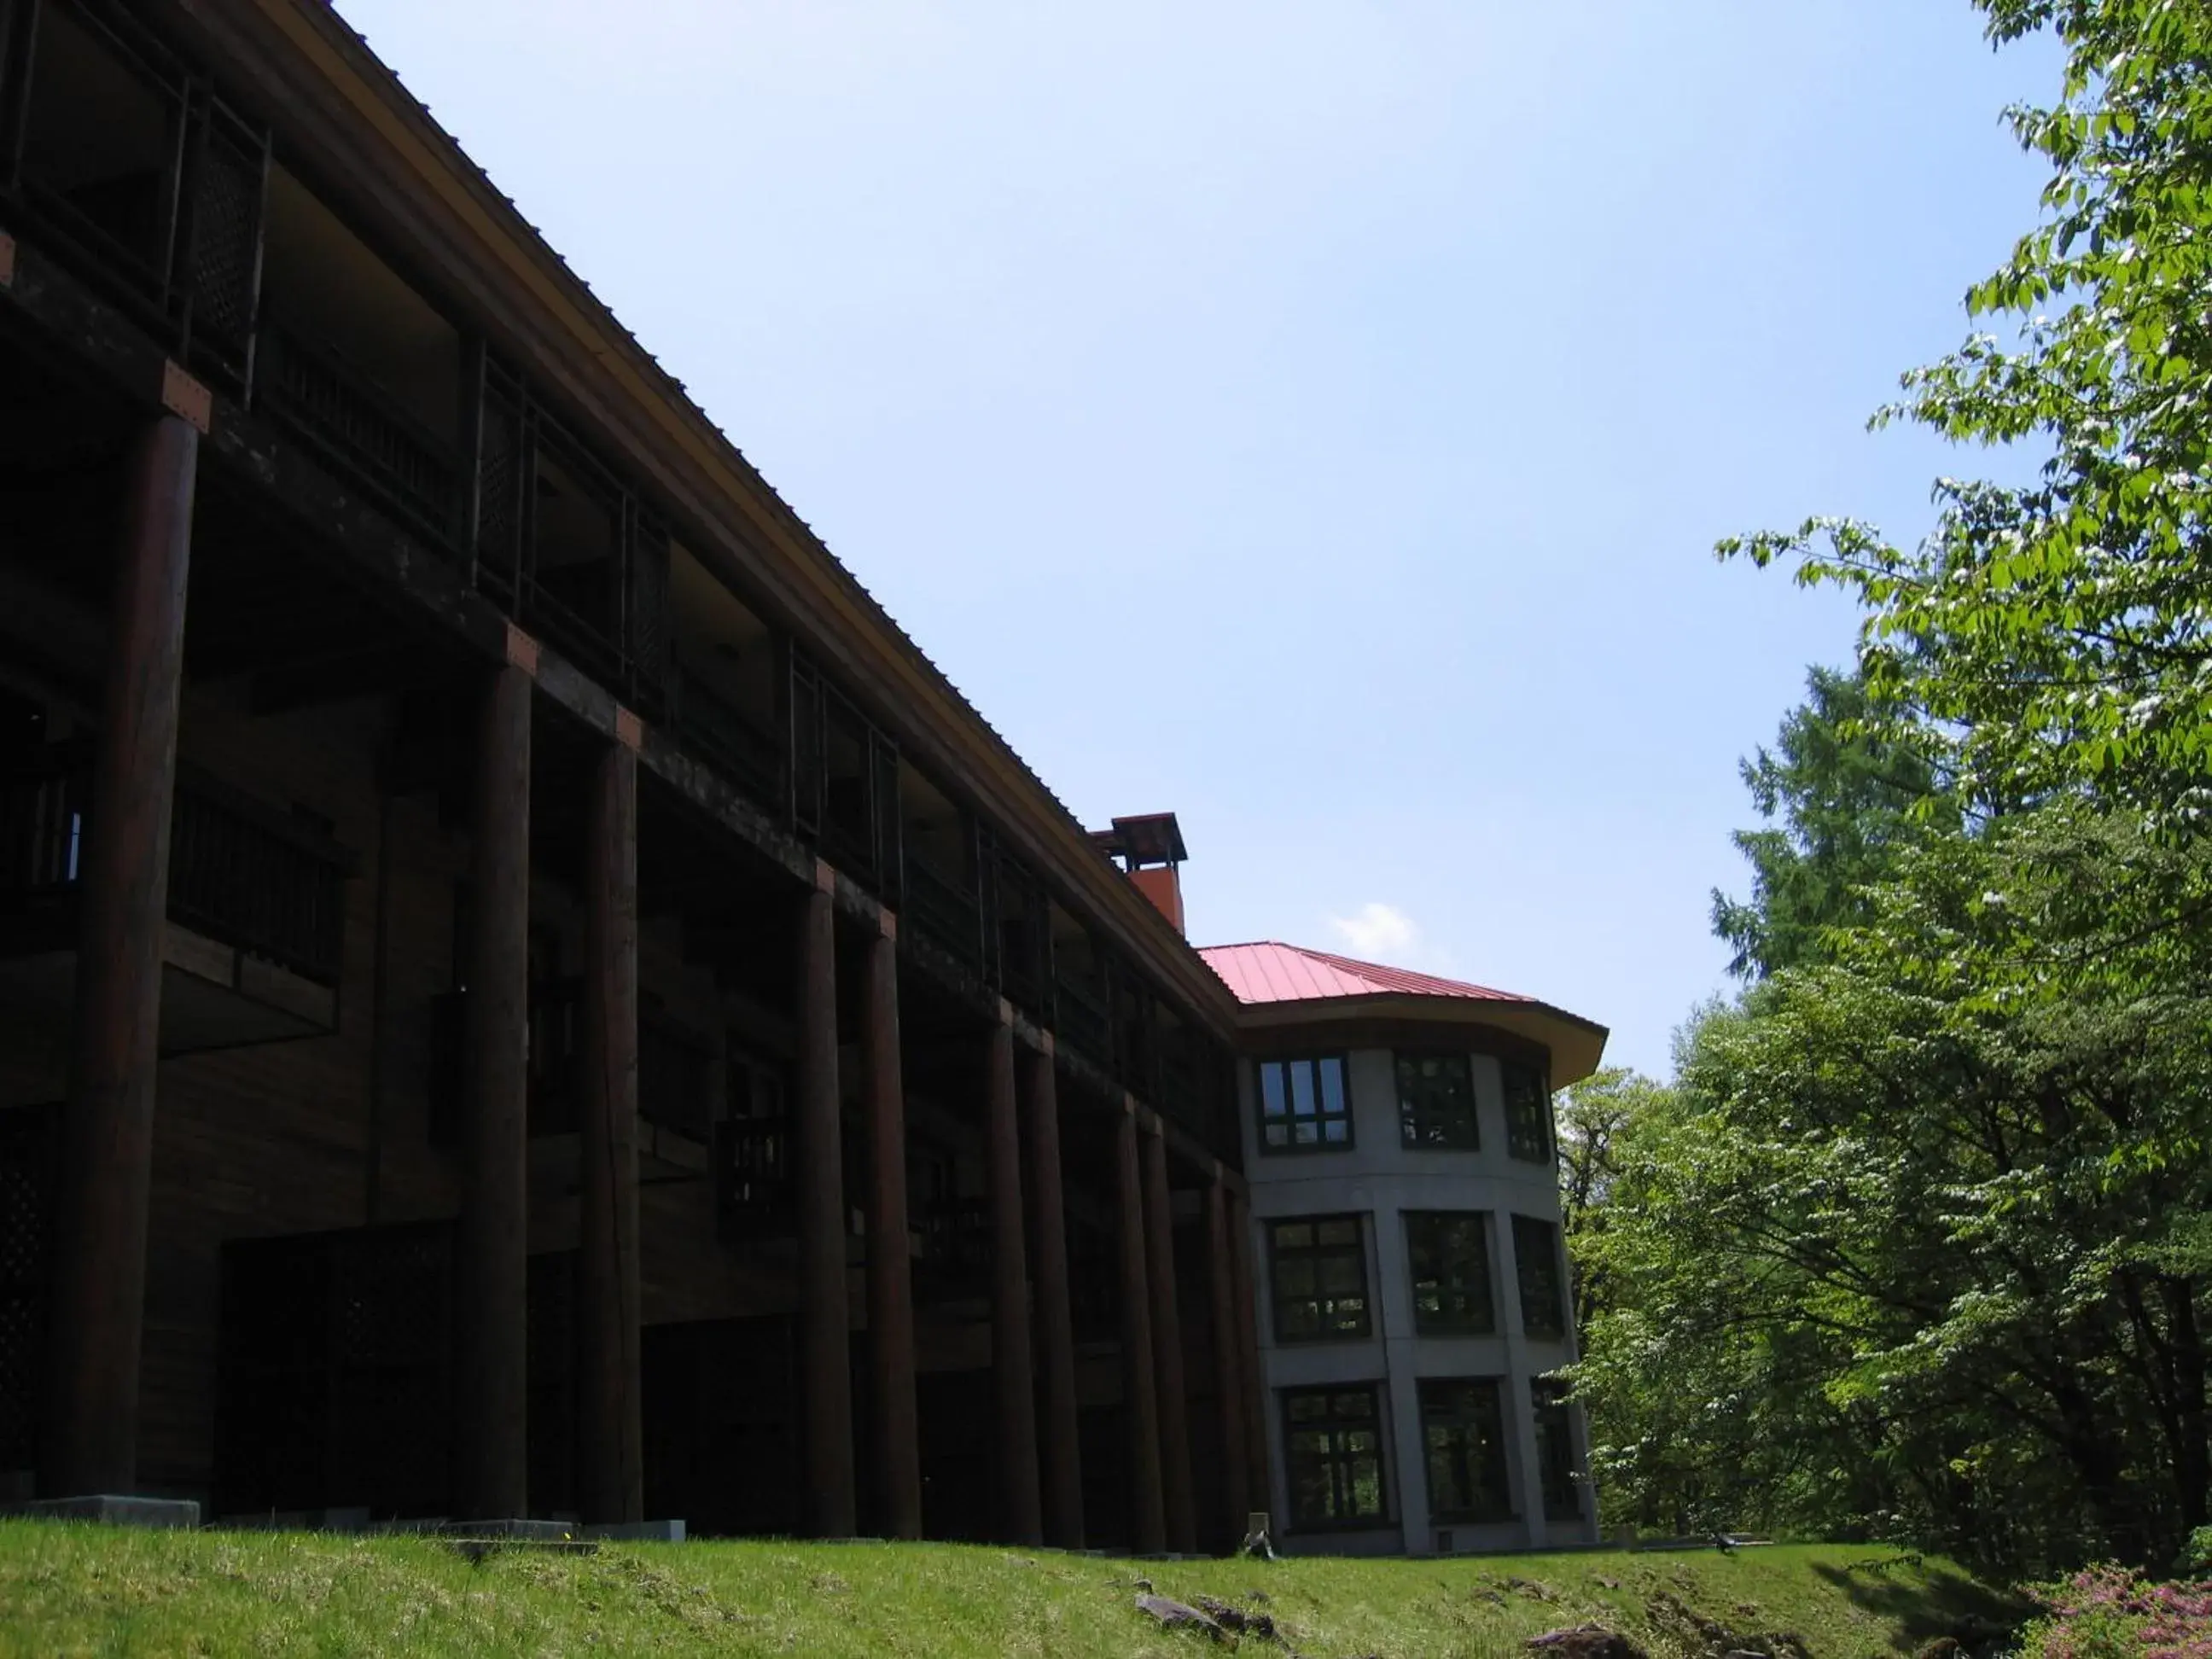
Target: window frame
x,y
1547,1147
1427,1392
1552,1269
1290,1119
1440,1326
1336,1457
1411,1136
1316,1252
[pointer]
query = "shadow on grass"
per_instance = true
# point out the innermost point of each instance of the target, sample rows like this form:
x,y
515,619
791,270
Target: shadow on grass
x,y
1927,1601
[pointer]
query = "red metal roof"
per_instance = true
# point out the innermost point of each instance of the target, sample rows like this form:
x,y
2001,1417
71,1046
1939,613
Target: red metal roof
x,y
1271,972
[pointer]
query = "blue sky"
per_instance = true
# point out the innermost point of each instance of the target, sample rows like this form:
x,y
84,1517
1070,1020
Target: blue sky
x,y
1312,418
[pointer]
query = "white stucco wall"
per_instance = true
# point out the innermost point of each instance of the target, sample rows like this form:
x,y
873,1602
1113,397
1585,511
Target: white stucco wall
x,y
1378,1179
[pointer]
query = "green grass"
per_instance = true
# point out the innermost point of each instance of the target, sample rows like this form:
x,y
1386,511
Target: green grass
x,y
83,1589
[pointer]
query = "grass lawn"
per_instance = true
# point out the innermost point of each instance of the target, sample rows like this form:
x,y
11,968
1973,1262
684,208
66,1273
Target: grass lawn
x,y
73,1588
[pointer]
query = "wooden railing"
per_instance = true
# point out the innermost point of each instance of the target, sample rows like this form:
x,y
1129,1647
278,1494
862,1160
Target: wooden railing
x,y
360,432
238,871
731,742
1082,1023
754,1162
945,913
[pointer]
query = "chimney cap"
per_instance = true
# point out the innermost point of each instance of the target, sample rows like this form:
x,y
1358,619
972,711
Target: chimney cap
x,y
1147,839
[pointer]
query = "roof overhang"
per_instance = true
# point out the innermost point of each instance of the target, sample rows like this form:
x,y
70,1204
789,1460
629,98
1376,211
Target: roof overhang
x,y
1575,1045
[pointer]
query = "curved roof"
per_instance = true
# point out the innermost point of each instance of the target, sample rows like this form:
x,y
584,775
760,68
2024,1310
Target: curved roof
x,y
1282,982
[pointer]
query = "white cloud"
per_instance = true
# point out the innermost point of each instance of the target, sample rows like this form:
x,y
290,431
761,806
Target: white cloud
x,y
1380,932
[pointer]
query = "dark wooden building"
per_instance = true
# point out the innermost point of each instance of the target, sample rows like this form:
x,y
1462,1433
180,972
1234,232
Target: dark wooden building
x,y
522,992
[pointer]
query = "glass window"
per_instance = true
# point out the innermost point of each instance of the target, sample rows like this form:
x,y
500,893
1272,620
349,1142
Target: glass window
x,y
1555,1450
1319,1269
1435,1102
1304,1105
1536,1269
1527,1114
1333,1443
1450,1253
1462,1429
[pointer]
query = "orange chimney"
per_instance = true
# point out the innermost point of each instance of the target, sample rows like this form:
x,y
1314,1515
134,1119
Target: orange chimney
x,y
1151,849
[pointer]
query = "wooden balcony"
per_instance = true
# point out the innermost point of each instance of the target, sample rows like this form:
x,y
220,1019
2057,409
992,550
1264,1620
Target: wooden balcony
x,y
255,941
360,434
730,741
945,913
953,1249
1082,1023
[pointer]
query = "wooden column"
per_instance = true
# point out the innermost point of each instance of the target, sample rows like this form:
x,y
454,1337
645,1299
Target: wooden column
x,y
1013,1383
90,1443
898,1443
1060,1452
1167,1345
613,1458
1139,1399
491,1359
825,1333
1256,1479
1230,1389
492,1381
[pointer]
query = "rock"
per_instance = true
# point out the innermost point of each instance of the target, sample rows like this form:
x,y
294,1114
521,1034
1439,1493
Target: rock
x,y
1179,1615
1585,1642
1230,1617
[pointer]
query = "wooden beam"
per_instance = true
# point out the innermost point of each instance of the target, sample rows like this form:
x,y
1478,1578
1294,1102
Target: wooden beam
x,y
90,1444
1229,1389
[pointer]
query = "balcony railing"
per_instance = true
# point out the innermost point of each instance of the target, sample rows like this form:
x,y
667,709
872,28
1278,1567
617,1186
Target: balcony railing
x,y
730,741
944,913
754,1162
956,1248
238,872
1082,1024
361,433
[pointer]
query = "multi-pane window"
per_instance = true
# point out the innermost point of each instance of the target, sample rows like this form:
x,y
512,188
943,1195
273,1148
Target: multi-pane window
x,y
1527,1114
1318,1268
1449,1254
1304,1106
1463,1432
1536,1270
1436,1102
1555,1450
1332,1443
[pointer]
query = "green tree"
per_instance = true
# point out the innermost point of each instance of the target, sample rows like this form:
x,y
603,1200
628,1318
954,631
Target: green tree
x,y
2058,634
1839,800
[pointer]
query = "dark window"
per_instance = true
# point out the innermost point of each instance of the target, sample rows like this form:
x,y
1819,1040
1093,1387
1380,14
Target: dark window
x,y
1304,1105
1536,1269
1527,1114
1333,1442
1555,1450
1450,1252
1436,1102
1463,1430
1320,1274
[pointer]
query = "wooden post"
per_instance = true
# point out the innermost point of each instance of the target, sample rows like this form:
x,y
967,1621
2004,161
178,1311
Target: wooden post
x,y
91,1440
1257,1478
1229,1385
1167,1345
824,1324
1014,1385
491,1464
1061,1453
1139,1400
613,1483
890,1250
